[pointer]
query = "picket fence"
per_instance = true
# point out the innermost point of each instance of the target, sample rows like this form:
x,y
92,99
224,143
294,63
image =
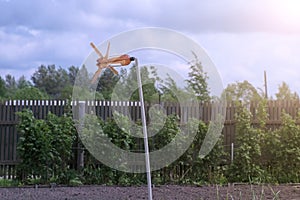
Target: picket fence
x,y
9,120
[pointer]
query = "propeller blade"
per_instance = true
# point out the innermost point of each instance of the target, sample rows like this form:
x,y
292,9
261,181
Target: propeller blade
x,y
113,70
107,50
96,50
97,73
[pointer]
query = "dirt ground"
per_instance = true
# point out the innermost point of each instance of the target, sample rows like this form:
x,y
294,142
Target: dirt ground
x,y
172,192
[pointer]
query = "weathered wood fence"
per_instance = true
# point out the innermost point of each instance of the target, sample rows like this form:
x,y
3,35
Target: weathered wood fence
x,y
9,120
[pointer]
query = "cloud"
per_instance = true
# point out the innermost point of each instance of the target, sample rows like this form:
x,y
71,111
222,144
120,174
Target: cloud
x,y
240,36
189,15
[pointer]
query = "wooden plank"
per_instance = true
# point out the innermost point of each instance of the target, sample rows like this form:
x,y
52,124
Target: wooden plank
x,y
7,150
3,133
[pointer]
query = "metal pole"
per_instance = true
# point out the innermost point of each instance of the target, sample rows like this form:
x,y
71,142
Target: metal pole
x,y
146,146
232,149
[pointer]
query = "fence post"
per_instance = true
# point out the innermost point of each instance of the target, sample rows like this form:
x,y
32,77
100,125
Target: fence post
x,y
80,149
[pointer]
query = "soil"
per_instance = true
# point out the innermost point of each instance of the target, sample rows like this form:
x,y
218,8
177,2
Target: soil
x,y
172,192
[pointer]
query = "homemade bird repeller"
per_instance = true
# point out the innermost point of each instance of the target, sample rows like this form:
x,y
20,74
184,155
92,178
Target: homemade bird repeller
x,y
168,47
106,62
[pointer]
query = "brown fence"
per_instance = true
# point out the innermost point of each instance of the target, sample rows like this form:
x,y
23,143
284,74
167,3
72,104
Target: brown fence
x,y
103,109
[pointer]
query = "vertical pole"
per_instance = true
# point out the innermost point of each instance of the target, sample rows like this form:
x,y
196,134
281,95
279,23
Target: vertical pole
x,y
80,152
146,146
232,149
266,86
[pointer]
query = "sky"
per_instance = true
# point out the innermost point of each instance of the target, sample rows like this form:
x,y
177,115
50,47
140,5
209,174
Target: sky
x,y
242,38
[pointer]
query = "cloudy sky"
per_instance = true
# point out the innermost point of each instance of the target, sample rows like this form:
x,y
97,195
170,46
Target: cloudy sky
x,y
243,38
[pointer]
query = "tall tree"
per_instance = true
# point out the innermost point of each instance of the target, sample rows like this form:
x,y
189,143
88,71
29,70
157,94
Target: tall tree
x,y
2,88
128,86
285,93
50,80
72,73
198,80
80,76
11,85
107,82
23,83
242,91
82,88
171,92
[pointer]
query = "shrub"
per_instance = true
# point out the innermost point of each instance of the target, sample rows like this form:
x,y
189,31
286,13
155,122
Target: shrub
x,y
282,148
248,152
45,146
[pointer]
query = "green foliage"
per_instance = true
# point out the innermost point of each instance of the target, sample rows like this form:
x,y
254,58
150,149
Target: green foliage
x,y
9,183
171,92
282,148
198,80
10,84
33,146
241,91
207,169
23,83
285,93
119,137
167,133
107,82
2,88
265,155
197,169
62,138
29,93
58,82
246,161
95,131
44,145
128,86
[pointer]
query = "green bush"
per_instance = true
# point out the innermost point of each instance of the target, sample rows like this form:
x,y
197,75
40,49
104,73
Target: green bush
x,y
248,152
261,154
45,146
203,170
282,150
265,155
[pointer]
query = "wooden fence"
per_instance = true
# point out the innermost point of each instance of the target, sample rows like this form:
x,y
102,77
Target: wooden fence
x,y
9,134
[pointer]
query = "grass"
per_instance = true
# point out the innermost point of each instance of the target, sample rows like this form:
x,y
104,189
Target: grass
x,y
261,195
8,183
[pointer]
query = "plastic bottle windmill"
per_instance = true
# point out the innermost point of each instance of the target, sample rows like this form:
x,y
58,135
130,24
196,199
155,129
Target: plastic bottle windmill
x,y
105,62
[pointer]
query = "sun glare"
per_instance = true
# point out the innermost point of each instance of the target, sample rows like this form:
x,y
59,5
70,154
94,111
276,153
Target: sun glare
x,y
288,9
285,14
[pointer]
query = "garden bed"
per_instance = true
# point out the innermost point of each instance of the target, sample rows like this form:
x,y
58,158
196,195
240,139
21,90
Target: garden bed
x,y
172,192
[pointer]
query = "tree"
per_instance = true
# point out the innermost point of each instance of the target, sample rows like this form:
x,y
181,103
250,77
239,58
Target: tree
x,y
79,77
241,91
50,80
128,87
29,93
285,93
11,85
198,80
10,88
171,92
106,83
81,89
2,88
23,83
73,71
